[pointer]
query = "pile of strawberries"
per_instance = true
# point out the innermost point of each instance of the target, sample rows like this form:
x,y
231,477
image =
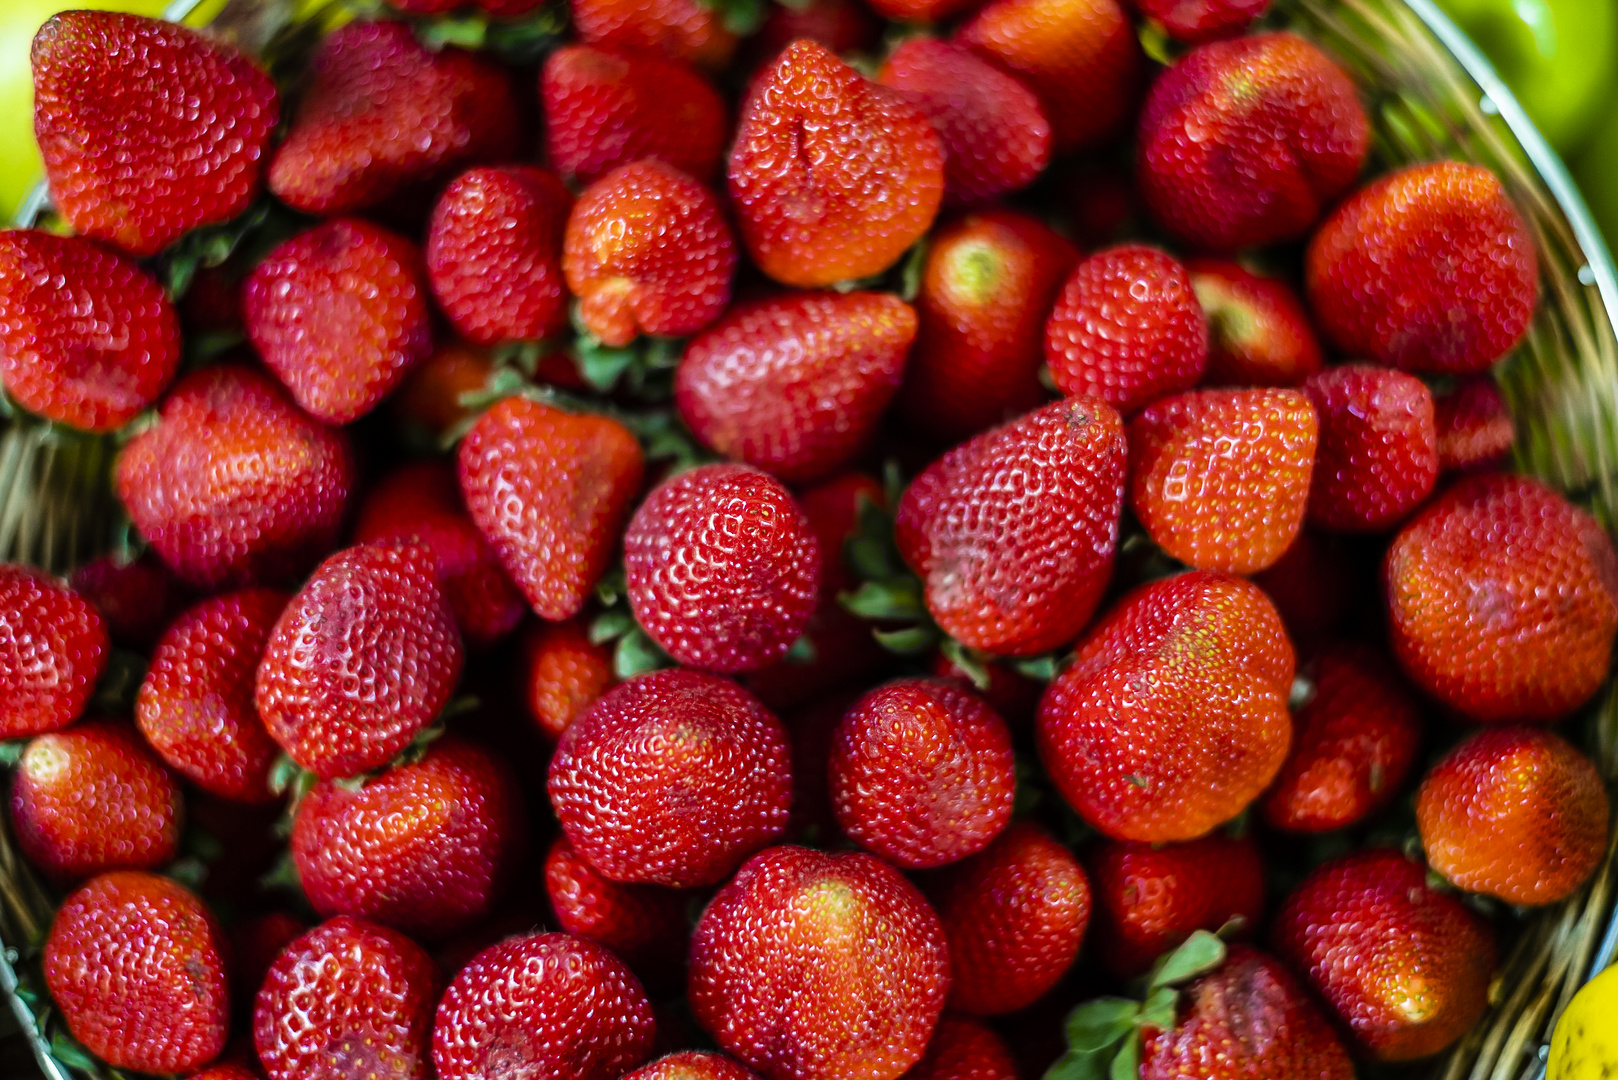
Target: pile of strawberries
x,y
654,539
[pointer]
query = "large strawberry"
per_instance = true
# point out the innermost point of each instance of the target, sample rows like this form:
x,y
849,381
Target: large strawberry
x,y
53,648
637,922
1258,331
1378,456
684,30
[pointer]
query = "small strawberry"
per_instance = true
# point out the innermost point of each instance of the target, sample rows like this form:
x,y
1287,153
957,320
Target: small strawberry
x,y
1245,142
1127,328
428,403
347,999
843,26
1101,203
196,705
675,731
364,657
1220,478
1429,269
832,176
1474,425
1503,600
723,570
1516,813
135,964
1378,457
810,966
1196,21
1014,916
149,129
542,1005
1013,533
254,945
683,30
693,1065
1405,968
1258,331
53,649
1173,717
87,338
563,673
964,1049
227,1071
551,491
138,598
637,922
796,384
1315,586
1013,695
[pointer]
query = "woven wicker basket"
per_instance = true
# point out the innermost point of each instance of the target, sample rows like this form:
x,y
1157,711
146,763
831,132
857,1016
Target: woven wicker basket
x,y
1430,95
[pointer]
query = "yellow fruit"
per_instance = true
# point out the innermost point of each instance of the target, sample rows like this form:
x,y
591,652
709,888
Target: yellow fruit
x,y
1585,1043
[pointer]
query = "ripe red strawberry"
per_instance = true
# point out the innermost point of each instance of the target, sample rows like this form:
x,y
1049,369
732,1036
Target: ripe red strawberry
x,y
53,648
1378,457
1516,813
1013,533
1245,142
363,658
843,26
796,384
1429,269
1151,897
637,922
832,176
1503,600
227,1071
1080,56
135,964
91,799
921,773
149,129
672,731
1127,329
1474,425
542,1005
963,1049
563,673
604,109
254,945
1014,916
1196,21
1315,585
87,338
550,490
1258,331
382,114
428,402
723,569
995,136
348,998
1173,717
683,30
810,966
196,705
988,282
1220,478
138,598
1405,968
693,1065
494,252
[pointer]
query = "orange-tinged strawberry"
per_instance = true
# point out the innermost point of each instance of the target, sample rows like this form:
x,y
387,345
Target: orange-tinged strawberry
x,y
964,1049
137,597
563,673
684,30
1196,21
53,648
1474,425
637,922
693,1065
1258,331
1378,457
428,402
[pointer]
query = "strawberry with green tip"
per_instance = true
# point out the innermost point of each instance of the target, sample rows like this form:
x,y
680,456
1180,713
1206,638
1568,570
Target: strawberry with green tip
x,y
53,649
1259,333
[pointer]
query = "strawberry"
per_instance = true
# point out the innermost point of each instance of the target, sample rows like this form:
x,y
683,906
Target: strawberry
x,y
494,249
921,773
1013,532
1220,478
637,922
550,490
148,128
795,384
340,314
1080,56
348,998
382,114
87,338
1100,202
563,673
137,598
542,1005
1014,916
832,176
1516,813
135,963
843,26
683,30
1378,457
422,502
809,966
1258,331
963,1049
1151,897
1127,328
196,705
1173,716
604,109
92,799
1429,269
1474,425
995,136
672,731
1012,694
254,945
988,282
234,484
647,250
1503,600
1314,585
1405,968
53,648
227,1071
693,1065
428,401
722,568
363,658
1196,21
1245,142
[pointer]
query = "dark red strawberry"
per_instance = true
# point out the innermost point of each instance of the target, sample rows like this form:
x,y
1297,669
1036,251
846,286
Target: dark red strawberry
x,y
1474,425
693,1065
637,922
1315,585
1258,331
563,673
1196,21
843,26
138,598
254,945
149,129
684,30
87,338
1101,203
1378,457
964,1049
53,648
